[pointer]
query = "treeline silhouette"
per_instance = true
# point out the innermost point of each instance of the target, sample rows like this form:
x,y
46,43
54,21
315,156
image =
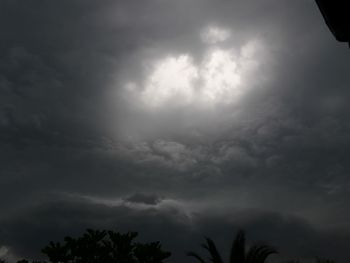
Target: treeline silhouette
x,y
96,246
101,246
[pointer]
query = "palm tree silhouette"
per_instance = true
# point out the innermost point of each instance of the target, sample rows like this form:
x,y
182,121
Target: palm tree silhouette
x,y
238,254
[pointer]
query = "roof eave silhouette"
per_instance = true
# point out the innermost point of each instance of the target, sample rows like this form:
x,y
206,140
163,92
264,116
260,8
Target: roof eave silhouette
x,y
336,13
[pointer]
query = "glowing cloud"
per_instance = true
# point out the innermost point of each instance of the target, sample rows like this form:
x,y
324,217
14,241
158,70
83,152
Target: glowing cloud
x,y
173,77
213,35
219,77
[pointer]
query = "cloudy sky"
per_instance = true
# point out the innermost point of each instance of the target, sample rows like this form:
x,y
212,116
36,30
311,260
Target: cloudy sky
x,y
176,119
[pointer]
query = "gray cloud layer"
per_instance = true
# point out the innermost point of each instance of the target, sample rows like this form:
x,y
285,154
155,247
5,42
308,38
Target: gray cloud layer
x,y
276,162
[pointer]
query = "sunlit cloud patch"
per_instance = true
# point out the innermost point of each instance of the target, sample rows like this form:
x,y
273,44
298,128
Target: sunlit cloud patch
x,y
219,77
214,34
172,77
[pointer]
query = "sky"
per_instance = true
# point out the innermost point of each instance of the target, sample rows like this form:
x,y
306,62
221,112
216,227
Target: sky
x,y
175,119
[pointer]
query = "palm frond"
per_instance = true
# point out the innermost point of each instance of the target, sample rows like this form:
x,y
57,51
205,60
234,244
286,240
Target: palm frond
x,y
259,253
210,246
195,255
237,254
322,260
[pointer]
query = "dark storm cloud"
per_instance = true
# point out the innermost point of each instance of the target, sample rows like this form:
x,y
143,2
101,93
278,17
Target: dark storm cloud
x,y
283,148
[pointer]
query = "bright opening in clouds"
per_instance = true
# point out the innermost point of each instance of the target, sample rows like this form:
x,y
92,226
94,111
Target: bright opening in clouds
x,y
173,78
222,76
219,77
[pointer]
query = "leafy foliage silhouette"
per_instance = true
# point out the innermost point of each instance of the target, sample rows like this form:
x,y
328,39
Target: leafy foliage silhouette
x,y
238,254
96,246
318,260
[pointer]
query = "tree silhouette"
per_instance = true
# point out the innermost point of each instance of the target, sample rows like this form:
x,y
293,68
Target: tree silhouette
x,y
318,260
322,260
238,254
97,246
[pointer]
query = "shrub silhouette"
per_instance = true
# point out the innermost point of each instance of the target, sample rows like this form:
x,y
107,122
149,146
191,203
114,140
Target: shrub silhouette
x,y
238,254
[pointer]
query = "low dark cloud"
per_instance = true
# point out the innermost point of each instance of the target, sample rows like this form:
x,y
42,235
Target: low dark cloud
x,y
148,199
